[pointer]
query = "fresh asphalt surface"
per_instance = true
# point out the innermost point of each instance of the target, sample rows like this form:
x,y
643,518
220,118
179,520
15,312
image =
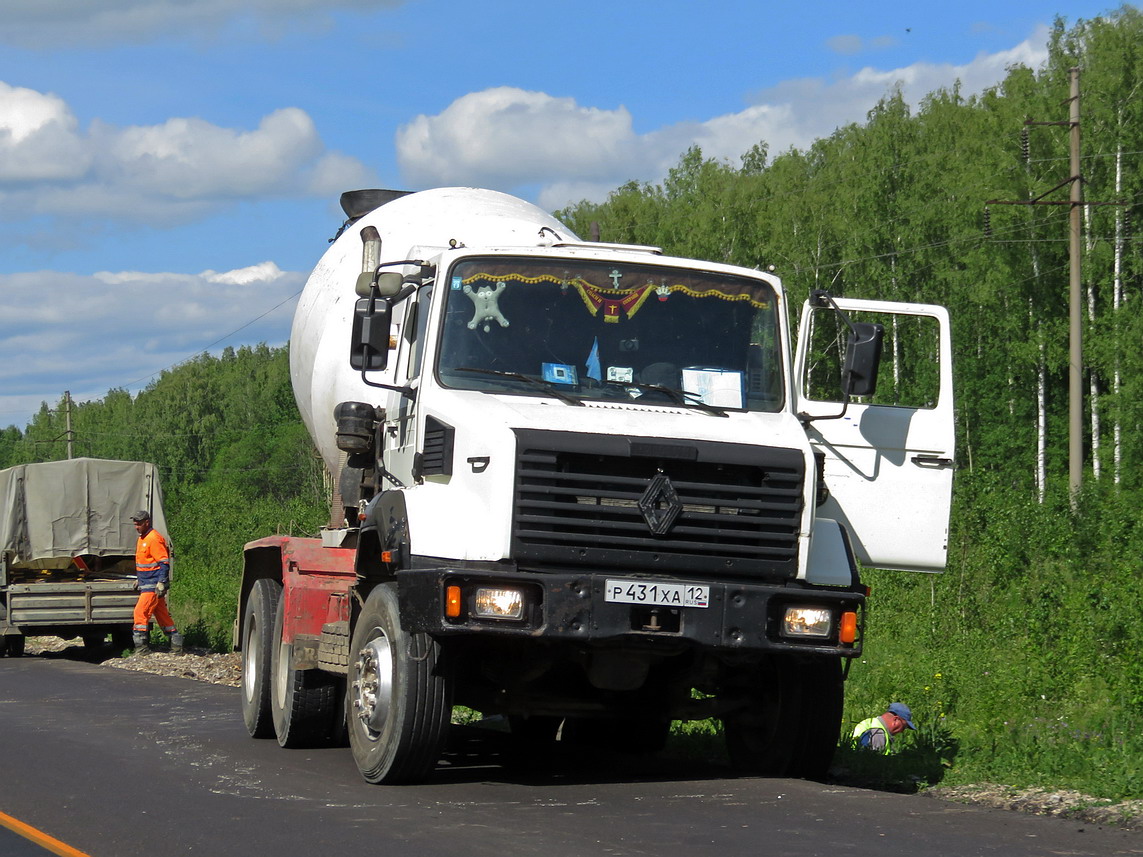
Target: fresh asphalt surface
x,y
115,763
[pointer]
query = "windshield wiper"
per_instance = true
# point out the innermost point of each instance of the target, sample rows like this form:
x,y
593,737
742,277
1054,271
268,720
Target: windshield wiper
x,y
546,386
683,398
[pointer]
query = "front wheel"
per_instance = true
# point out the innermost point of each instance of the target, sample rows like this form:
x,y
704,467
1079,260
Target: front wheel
x,y
257,656
790,725
762,735
820,729
397,704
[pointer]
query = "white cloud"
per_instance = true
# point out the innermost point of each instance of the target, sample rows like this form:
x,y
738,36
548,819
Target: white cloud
x,y
38,138
89,334
58,23
508,135
167,173
508,138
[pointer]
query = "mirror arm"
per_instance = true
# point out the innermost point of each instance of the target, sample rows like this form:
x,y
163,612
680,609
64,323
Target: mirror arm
x,y
806,419
822,298
409,392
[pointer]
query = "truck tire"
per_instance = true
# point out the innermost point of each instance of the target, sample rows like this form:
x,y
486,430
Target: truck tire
x,y
13,645
257,656
397,705
762,736
820,727
303,703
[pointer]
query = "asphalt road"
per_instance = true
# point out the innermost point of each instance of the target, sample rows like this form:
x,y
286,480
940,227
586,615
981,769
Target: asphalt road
x,y
117,763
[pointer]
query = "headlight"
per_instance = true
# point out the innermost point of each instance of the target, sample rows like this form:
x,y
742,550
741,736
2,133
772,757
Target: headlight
x,y
807,622
498,603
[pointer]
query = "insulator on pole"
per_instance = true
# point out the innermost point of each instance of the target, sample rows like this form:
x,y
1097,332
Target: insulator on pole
x,y
1025,146
987,222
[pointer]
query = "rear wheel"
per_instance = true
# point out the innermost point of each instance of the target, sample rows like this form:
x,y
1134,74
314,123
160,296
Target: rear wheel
x,y
397,705
257,656
13,645
303,703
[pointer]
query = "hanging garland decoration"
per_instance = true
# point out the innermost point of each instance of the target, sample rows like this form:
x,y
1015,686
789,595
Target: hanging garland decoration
x,y
616,302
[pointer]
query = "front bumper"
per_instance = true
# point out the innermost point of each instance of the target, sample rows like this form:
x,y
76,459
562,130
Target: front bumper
x,y
571,608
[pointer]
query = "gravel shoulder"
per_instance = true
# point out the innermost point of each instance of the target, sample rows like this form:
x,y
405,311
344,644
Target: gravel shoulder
x,y
226,669
197,664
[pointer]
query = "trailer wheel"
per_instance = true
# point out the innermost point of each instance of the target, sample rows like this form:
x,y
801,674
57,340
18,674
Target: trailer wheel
x,y
257,656
13,645
762,736
303,703
397,704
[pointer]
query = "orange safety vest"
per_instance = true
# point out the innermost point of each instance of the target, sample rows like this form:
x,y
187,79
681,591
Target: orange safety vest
x,y
150,555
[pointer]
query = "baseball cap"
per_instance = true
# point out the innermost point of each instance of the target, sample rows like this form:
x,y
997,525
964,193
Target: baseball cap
x,y
141,515
902,711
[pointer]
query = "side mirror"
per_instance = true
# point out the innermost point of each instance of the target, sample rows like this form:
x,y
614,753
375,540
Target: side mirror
x,y
369,342
862,358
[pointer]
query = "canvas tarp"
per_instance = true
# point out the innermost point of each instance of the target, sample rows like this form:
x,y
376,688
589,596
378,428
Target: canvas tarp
x,y
61,509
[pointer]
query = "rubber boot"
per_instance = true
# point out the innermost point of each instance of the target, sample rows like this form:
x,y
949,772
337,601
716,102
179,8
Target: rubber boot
x,y
142,646
176,643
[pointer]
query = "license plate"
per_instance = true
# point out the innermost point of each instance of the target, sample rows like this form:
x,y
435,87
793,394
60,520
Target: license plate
x,y
658,594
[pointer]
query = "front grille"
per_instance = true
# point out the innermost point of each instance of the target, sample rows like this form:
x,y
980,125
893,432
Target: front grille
x,y
657,505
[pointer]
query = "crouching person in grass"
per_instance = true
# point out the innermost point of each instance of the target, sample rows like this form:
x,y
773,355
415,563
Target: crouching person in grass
x,y
879,734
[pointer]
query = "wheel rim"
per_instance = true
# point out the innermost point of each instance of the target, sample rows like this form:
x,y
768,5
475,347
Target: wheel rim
x,y
251,659
284,658
373,686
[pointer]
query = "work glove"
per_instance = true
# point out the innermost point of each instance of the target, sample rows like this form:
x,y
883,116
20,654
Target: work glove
x,y
161,588
135,585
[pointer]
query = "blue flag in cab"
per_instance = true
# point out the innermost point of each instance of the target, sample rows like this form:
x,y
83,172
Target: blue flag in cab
x,y
593,370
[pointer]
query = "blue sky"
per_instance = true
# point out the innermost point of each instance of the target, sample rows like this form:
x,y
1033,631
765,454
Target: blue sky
x,y
170,169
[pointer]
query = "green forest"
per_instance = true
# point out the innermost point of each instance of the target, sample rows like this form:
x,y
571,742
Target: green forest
x,y
1021,661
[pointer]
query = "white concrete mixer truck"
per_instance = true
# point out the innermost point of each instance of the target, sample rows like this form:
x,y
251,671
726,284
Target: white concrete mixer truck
x,y
586,490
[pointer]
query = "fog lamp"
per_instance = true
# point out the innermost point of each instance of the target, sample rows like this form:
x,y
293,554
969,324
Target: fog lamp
x,y
807,622
498,603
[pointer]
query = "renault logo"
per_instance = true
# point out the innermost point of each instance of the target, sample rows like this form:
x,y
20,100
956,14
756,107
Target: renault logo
x,y
660,504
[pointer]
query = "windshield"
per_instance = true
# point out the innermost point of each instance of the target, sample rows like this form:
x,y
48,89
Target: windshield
x,y
587,330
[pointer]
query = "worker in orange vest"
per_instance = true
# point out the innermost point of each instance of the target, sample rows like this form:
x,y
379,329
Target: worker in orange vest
x,y
153,580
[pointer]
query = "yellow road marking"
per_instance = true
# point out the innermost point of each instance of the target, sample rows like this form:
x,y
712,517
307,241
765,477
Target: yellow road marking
x,y
40,838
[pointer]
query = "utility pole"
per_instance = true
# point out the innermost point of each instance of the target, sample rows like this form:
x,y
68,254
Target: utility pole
x,y
1075,328
70,435
1075,202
